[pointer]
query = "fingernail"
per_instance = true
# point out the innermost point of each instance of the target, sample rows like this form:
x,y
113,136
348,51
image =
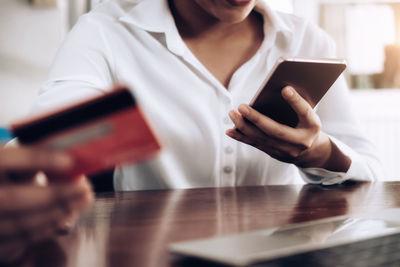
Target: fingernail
x,y
288,91
244,109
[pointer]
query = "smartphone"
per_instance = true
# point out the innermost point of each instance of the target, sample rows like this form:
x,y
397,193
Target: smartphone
x,y
310,77
99,132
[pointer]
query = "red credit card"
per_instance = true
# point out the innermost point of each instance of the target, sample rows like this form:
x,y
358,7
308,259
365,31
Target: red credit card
x,y
99,133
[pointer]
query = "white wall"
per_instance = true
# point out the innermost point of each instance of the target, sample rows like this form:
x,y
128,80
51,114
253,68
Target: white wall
x,y
30,37
379,114
308,9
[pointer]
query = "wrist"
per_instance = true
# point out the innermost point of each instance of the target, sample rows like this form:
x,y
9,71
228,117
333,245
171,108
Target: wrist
x,y
324,154
337,160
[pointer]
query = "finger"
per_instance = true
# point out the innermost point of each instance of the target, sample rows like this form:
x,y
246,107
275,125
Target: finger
x,y
11,251
302,108
47,229
42,233
244,127
68,223
23,224
29,198
30,236
270,127
249,141
275,153
81,182
273,147
30,220
31,225
29,159
238,136
87,189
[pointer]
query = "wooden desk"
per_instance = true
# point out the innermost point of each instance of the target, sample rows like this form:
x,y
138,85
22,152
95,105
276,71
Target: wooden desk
x,y
134,228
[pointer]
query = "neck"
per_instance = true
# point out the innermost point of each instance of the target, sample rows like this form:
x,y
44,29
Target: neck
x,y
193,22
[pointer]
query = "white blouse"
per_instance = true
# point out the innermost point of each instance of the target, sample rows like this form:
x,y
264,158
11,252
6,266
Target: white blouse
x,y
136,43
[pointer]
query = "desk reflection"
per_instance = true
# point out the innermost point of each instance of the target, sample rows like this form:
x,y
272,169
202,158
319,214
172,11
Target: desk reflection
x,y
315,202
135,228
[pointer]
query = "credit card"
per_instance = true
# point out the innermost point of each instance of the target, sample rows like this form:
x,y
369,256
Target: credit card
x,y
99,133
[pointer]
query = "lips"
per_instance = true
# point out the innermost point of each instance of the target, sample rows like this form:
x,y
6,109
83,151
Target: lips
x,y
238,3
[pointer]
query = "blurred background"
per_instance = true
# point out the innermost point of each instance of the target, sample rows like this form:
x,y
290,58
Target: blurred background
x,y
367,34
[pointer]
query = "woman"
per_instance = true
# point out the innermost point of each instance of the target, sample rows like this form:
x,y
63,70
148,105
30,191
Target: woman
x,y
190,64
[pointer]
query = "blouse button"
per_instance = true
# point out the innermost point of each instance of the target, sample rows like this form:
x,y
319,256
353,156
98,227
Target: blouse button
x,y
227,169
228,150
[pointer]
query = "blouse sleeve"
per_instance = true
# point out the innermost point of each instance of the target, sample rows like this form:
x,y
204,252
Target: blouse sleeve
x,y
345,131
81,69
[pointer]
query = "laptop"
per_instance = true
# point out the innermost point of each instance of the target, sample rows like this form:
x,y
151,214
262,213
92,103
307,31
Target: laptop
x,y
354,240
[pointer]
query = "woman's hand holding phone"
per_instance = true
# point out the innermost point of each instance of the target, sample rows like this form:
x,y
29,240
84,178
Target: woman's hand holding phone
x,y
305,145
